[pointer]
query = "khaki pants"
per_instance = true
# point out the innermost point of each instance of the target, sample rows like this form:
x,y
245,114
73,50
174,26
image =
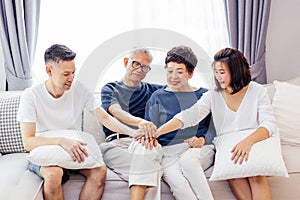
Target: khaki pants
x,y
135,164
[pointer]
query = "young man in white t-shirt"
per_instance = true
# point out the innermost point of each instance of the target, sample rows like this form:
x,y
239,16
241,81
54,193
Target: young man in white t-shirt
x,y
57,104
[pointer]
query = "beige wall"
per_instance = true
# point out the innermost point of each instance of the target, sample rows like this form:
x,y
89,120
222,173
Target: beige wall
x,y
283,43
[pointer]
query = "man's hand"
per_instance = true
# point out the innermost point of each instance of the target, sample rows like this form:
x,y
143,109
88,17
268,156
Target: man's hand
x,y
147,142
75,148
148,129
195,142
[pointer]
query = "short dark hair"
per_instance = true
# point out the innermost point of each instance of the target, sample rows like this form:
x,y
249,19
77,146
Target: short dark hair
x,y
238,67
58,52
182,54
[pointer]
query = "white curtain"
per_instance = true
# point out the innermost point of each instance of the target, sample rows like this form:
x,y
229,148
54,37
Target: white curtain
x,y
18,33
85,25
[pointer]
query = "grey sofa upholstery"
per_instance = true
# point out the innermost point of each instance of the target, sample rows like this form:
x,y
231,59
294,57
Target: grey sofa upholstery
x,y
16,182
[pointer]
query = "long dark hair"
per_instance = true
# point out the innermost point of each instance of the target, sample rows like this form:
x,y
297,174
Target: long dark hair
x,y
238,67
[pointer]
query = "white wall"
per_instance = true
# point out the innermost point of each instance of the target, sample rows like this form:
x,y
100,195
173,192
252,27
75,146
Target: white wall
x,y
283,43
2,72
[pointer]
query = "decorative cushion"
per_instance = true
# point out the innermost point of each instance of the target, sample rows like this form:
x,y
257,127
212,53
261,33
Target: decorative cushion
x,y
286,107
93,126
49,155
10,132
264,159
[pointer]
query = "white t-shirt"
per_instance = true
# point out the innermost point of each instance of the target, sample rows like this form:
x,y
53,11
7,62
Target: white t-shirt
x,y
254,111
49,113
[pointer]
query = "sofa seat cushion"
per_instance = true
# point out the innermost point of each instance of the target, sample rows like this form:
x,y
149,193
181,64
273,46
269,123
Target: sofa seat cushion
x,y
16,180
115,187
289,154
111,176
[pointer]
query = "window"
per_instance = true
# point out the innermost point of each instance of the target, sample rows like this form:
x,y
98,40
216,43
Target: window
x,y
85,26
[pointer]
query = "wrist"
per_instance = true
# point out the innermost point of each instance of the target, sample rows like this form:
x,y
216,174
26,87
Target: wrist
x,y
138,121
60,141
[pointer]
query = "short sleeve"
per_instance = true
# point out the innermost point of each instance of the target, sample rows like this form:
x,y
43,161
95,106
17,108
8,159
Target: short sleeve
x,y
92,101
27,110
108,96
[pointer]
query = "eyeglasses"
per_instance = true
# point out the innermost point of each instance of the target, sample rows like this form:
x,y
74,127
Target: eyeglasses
x,y
137,65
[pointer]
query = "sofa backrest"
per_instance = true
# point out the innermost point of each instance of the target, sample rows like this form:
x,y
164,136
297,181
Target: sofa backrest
x,y
271,88
89,123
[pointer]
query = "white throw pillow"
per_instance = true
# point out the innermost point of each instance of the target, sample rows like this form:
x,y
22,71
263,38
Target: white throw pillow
x,y
50,155
264,159
286,106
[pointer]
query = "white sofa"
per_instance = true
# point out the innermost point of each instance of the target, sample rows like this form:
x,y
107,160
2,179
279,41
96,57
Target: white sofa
x,y
16,182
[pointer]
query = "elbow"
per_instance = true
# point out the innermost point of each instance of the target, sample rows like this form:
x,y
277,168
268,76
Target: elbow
x,y
26,144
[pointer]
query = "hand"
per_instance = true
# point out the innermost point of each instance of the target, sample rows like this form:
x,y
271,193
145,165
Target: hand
x,y
75,148
147,142
240,152
195,142
137,134
148,129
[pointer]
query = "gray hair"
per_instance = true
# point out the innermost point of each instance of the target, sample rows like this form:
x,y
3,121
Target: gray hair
x,y
143,50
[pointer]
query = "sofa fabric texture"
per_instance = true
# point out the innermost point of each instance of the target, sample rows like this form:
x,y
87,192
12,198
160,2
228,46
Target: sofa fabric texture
x,y
10,132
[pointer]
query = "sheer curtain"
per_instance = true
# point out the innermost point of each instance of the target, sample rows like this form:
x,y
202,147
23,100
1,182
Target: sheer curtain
x,y
18,33
84,26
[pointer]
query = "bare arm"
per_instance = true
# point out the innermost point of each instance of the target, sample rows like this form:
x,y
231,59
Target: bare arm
x,y
30,141
112,123
171,125
124,116
146,127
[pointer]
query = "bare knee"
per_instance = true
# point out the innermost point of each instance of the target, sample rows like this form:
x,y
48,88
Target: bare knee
x,y
96,176
240,188
52,175
258,180
233,182
52,181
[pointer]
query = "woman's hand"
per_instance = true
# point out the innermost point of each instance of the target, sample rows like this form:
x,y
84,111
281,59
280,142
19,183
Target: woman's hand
x,y
240,152
195,142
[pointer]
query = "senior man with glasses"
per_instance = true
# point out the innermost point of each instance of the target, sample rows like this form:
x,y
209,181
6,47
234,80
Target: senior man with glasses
x,y
126,101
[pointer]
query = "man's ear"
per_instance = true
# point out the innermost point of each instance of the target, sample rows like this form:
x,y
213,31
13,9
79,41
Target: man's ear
x,y
126,61
49,70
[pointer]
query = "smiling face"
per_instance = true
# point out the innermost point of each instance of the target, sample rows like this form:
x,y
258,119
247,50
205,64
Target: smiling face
x,y
178,76
134,76
61,75
222,75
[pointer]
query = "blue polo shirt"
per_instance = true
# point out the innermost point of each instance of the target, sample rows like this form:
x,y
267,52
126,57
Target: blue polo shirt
x,y
163,105
131,99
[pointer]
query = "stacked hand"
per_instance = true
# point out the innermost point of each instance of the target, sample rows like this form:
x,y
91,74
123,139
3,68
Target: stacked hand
x,y
146,134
